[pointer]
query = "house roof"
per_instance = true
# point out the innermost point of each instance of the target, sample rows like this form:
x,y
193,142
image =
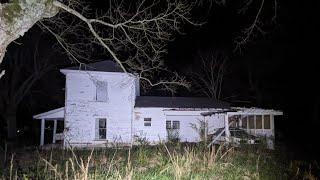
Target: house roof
x,y
104,66
179,102
52,114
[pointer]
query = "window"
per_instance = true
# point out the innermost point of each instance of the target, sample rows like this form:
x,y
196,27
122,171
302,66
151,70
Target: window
x,y
168,124
258,122
266,119
173,124
101,128
147,121
101,91
173,128
251,122
245,122
232,119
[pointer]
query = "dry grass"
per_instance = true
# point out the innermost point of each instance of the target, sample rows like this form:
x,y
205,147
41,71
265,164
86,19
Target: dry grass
x,y
178,161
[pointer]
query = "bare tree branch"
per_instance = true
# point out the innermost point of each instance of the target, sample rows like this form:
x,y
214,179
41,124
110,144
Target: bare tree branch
x,y
209,78
135,39
248,32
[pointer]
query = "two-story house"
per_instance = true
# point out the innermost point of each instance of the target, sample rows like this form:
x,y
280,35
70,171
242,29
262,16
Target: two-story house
x,y
103,106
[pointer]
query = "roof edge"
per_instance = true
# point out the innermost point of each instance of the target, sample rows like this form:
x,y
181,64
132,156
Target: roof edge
x,y
38,116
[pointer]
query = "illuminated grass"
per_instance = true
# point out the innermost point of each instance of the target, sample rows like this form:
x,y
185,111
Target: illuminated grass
x,y
179,161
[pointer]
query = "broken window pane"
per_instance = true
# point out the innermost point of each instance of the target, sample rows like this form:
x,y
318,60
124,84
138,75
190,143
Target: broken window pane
x,y
101,94
266,119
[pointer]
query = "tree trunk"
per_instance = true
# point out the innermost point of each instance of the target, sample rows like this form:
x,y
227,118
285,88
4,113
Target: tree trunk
x,y
11,118
17,17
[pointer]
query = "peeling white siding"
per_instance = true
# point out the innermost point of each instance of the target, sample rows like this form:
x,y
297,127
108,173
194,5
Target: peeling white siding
x,y
154,133
215,122
124,122
82,109
157,131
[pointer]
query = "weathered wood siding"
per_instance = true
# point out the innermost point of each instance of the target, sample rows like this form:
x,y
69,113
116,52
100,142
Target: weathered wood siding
x,y
82,110
157,131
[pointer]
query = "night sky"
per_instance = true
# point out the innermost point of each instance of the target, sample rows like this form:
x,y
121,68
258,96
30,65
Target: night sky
x,y
284,62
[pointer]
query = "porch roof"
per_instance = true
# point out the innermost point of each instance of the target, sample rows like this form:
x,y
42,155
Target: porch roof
x,y
52,114
245,111
254,110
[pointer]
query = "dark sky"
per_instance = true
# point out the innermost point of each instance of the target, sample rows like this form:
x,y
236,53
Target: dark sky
x,y
285,62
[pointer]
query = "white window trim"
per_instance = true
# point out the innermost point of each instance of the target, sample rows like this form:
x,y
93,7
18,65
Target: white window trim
x,y
104,87
97,128
171,124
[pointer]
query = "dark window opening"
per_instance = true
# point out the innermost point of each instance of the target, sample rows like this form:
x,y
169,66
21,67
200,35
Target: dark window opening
x,y
102,131
147,121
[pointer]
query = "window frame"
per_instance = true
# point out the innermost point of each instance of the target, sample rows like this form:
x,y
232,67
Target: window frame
x,y
264,122
246,120
173,124
261,122
147,122
101,86
168,125
251,122
98,128
177,123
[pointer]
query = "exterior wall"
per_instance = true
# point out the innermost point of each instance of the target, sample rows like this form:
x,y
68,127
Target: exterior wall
x,y
154,133
82,110
157,131
215,122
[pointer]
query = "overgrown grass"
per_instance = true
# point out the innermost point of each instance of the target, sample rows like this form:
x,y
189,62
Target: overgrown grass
x,y
166,161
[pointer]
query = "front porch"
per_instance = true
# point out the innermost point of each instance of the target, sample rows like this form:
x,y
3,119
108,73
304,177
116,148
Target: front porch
x,y
254,121
55,116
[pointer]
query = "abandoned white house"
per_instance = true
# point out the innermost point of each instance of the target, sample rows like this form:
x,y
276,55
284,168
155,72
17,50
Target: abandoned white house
x,y
103,105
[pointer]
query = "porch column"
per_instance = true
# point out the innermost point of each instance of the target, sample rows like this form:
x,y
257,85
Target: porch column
x,y
226,126
42,132
54,131
205,128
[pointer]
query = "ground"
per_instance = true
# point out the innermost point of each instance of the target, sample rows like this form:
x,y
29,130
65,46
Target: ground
x,y
165,161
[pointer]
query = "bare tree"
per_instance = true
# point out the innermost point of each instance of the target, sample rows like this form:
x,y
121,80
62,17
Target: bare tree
x,y
256,26
208,79
25,69
17,17
133,33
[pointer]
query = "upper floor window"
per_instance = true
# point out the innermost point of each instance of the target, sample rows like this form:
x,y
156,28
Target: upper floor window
x,y
101,91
